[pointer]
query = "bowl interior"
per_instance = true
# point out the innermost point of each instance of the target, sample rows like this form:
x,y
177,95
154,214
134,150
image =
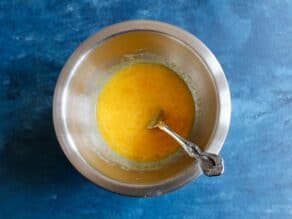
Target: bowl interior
x,y
93,71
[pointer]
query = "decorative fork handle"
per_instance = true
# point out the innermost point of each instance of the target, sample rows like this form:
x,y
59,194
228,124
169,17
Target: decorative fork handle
x,y
211,164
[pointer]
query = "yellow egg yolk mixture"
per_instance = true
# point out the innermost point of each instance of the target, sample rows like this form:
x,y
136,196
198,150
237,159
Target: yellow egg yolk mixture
x,y
128,102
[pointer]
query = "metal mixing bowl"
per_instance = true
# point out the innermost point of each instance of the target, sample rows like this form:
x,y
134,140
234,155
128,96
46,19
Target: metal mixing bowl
x,y
90,66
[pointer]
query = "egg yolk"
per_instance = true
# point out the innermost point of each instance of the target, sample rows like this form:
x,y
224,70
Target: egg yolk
x,y
129,100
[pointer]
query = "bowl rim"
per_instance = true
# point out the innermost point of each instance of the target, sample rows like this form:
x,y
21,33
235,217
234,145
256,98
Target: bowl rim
x,y
208,59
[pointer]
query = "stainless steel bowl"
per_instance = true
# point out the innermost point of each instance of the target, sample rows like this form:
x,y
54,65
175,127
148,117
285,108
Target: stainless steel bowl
x,y
89,67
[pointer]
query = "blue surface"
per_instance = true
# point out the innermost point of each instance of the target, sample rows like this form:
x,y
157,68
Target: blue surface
x,y
251,39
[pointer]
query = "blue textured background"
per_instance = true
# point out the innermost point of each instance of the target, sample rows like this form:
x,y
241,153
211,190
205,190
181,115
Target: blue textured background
x,y
251,39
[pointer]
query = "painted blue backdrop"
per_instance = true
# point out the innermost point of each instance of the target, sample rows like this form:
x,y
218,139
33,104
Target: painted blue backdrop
x,y
251,39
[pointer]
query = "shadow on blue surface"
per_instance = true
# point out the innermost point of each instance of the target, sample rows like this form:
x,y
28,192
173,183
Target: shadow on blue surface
x,y
31,154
